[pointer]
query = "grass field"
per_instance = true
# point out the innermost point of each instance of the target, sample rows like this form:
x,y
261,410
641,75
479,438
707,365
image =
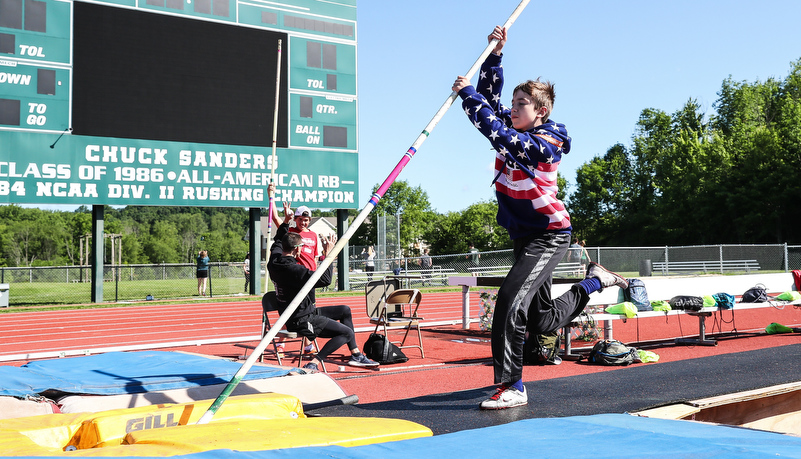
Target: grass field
x,y
58,295
55,293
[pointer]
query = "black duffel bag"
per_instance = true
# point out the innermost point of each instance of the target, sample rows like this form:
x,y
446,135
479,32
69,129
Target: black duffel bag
x,y
687,302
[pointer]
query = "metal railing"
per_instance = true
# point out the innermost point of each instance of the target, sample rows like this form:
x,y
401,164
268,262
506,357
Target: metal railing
x,y
72,284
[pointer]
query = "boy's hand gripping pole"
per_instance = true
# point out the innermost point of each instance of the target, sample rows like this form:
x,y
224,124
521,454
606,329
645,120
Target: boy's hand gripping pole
x,y
332,254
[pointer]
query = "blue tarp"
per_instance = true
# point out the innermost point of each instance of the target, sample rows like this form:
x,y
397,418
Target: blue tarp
x,y
124,373
613,436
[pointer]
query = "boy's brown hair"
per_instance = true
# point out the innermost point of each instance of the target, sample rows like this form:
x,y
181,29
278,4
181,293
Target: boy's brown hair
x,y
541,92
290,241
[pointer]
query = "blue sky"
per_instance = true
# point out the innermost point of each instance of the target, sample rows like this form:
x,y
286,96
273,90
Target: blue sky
x,y
608,60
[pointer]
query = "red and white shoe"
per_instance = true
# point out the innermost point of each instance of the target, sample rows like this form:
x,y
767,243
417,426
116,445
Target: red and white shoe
x,y
505,397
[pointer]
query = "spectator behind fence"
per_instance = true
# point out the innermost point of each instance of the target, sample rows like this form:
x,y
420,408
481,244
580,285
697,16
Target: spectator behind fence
x,y
202,272
574,252
426,265
369,262
474,256
246,269
584,256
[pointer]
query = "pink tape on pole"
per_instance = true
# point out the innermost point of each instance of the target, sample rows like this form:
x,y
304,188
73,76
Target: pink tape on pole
x,y
395,172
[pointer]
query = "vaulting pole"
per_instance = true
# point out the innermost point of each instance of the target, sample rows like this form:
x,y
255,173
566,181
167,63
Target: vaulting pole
x,y
273,161
332,254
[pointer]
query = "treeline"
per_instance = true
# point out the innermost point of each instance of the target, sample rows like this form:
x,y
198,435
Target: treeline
x,y
688,178
35,237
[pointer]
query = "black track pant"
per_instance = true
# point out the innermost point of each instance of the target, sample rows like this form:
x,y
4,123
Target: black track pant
x,y
339,328
524,300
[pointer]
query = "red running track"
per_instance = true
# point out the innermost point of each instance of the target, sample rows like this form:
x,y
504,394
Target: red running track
x,y
455,359
28,336
35,335
47,334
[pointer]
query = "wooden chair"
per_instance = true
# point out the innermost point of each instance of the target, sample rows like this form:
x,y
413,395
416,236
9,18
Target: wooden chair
x,y
390,307
269,304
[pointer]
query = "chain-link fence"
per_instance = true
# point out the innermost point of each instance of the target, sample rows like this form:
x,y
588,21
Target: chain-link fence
x,y
72,284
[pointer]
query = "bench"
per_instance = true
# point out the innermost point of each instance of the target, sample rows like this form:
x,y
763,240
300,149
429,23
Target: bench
x,y
658,289
667,288
570,269
490,271
437,275
721,266
483,281
561,270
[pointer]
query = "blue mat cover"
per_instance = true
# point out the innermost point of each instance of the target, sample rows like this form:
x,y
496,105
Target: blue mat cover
x,y
612,436
124,373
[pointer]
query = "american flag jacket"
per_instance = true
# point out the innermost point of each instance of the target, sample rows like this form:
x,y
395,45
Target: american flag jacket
x,y
525,162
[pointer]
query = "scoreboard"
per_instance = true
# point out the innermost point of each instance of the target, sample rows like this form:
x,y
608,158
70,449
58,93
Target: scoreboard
x,y
171,102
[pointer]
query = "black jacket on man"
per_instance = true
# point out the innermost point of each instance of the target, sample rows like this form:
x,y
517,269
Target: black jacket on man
x,y
289,277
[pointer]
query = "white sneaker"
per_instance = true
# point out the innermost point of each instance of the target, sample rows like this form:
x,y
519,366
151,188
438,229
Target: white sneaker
x,y
607,278
505,397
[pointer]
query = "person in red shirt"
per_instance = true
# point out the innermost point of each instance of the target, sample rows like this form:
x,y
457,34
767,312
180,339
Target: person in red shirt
x,y
310,252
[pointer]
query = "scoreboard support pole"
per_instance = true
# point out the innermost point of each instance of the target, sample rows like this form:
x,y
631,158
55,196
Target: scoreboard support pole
x,y
343,241
98,250
343,281
254,247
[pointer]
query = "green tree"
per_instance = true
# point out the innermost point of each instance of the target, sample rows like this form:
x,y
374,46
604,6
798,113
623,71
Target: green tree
x,y
224,246
161,246
685,175
598,206
415,211
190,227
79,224
680,179
33,237
756,120
652,141
455,231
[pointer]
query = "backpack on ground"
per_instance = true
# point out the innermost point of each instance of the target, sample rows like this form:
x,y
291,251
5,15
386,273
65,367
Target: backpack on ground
x,y
379,348
542,349
613,352
637,294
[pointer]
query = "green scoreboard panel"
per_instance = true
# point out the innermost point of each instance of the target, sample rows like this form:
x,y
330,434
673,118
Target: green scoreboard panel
x,y
171,102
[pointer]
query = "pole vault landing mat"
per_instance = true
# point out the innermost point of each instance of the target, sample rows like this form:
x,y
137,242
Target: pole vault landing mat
x,y
118,380
620,390
617,436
